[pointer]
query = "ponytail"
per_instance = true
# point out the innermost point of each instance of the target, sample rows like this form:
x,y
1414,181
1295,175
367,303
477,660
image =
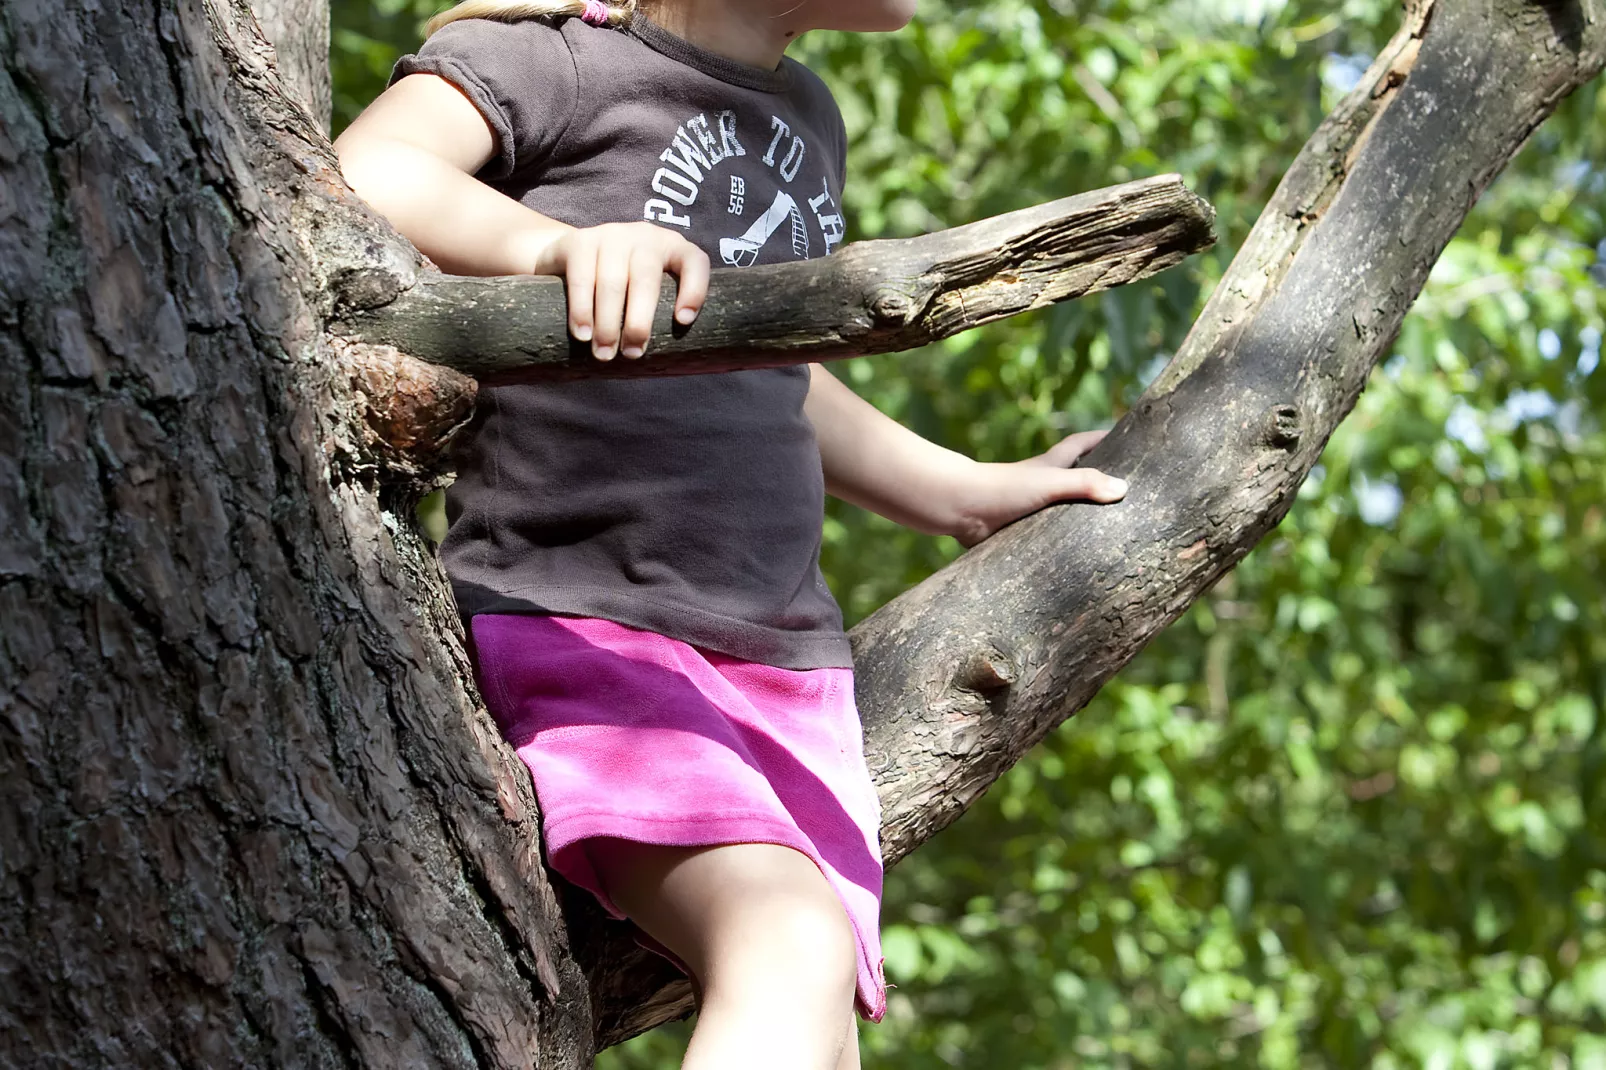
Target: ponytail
x,y
616,13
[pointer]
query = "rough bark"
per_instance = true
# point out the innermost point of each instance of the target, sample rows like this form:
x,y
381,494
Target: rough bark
x,y
249,811
299,33
871,297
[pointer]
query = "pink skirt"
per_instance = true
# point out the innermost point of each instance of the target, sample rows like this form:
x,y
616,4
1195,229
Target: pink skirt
x,y
632,735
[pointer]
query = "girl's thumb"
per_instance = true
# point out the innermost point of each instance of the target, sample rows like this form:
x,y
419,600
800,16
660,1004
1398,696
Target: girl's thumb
x,y
1089,484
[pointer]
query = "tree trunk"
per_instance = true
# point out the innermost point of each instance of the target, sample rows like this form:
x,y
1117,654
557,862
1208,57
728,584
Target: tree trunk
x,y
250,813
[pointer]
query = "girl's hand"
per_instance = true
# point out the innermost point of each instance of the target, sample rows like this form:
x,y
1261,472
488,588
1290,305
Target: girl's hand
x,y
996,494
614,273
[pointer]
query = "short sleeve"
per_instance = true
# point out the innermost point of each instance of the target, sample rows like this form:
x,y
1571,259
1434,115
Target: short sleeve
x,y
519,75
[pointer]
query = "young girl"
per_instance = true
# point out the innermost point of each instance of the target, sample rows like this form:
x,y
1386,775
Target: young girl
x,y
638,558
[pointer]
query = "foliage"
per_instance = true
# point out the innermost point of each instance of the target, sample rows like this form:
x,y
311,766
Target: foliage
x,y
1346,812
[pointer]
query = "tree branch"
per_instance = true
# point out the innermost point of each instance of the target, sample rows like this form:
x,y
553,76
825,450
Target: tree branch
x,y
872,297
1219,445
1040,616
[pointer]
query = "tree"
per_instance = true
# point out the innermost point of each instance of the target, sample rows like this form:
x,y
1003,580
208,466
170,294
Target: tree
x,y
253,815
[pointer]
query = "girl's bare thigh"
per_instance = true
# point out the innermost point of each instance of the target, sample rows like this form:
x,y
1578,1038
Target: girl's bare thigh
x,y
766,938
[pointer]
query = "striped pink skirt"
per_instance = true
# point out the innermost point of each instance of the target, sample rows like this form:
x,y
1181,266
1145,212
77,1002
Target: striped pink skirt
x,y
632,735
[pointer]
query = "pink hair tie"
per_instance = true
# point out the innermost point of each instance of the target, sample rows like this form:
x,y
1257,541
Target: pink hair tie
x,y
595,12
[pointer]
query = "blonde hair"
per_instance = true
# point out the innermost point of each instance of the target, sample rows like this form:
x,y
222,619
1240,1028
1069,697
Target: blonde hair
x,y
619,11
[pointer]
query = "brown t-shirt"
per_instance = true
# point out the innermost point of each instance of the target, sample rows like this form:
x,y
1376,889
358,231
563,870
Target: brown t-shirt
x,y
690,506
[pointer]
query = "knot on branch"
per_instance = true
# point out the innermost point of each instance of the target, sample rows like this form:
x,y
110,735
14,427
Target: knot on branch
x,y
411,410
1283,427
357,259
367,286
900,302
986,672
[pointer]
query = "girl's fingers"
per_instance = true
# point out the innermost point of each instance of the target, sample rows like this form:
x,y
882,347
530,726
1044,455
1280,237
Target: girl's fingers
x,y
1084,484
581,272
690,267
1065,452
613,280
641,303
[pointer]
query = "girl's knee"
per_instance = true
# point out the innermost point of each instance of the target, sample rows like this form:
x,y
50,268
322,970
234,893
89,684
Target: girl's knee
x,y
818,928
800,942
787,922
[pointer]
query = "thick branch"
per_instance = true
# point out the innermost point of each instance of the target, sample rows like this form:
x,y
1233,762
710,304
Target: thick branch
x,y
1038,618
872,297
962,675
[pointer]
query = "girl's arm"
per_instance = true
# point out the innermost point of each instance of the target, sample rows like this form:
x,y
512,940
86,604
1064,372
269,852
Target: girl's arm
x,y
412,155
875,462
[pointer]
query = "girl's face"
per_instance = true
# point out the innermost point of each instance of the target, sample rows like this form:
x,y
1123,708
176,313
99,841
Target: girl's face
x,y
793,17
858,15
758,31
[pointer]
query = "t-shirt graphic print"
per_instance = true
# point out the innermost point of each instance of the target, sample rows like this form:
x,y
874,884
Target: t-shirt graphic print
x,y
687,505
695,155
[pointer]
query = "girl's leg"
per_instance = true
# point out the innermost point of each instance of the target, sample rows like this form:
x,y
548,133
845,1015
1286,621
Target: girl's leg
x,y
766,937
849,1060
